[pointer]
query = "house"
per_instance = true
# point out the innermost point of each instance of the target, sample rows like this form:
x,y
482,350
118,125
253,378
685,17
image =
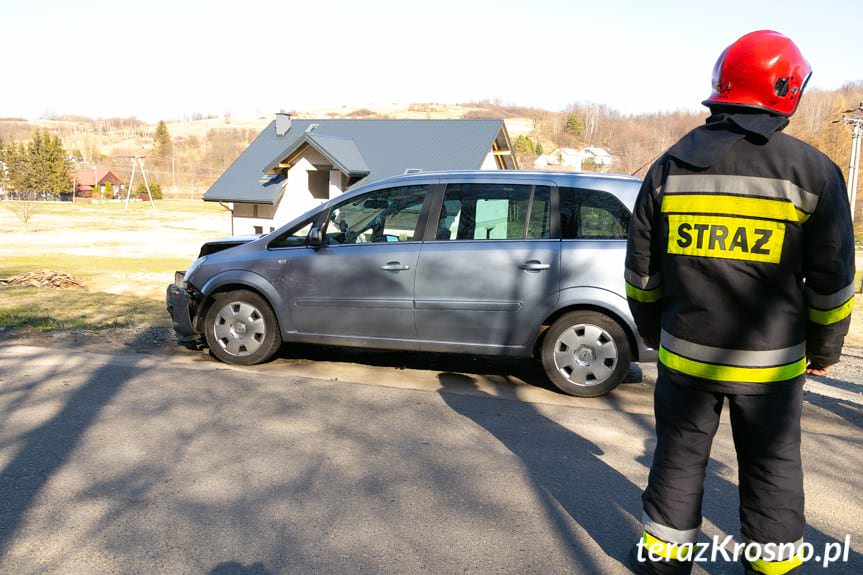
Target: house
x,y
567,158
294,165
588,159
599,157
90,182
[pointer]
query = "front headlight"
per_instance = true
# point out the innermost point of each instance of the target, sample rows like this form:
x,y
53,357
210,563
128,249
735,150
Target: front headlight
x,y
194,266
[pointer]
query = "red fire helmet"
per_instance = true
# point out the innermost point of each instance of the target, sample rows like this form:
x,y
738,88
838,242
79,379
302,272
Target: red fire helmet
x,y
762,70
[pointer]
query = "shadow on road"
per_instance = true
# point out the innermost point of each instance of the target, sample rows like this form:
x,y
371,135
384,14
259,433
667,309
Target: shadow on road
x,y
234,568
45,449
570,478
524,370
575,484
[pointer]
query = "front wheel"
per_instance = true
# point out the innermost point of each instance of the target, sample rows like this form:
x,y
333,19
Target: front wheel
x,y
585,353
240,327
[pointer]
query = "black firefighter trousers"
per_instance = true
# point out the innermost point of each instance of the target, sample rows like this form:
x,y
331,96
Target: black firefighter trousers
x,y
766,431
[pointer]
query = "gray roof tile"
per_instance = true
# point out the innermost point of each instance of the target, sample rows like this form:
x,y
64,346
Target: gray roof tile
x,y
376,148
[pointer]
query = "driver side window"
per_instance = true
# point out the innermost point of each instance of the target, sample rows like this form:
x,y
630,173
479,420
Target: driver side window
x,y
382,216
295,237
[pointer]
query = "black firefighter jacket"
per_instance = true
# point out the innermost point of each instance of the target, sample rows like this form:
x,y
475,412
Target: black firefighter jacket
x,y
740,258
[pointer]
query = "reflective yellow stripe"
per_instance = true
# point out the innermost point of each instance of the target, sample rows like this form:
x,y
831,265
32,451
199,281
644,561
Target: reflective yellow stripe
x,y
731,373
725,237
643,296
733,205
775,567
826,317
663,549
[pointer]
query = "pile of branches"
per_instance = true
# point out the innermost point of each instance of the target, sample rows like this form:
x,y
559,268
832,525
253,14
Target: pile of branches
x,y
42,279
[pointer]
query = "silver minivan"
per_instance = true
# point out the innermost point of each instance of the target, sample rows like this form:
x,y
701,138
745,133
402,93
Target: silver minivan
x,y
507,263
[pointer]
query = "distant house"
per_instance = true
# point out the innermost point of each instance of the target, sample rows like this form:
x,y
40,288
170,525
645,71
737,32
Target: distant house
x,y
295,165
599,157
590,158
90,180
567,158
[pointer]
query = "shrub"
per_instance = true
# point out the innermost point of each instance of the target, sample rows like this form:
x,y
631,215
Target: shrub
x,y
155,190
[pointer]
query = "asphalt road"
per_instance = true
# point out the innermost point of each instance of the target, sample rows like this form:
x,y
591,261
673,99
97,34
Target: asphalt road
x,y
349,462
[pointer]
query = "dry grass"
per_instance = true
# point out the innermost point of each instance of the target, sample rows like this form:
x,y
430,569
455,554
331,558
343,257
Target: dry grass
x,y
40,309
124,258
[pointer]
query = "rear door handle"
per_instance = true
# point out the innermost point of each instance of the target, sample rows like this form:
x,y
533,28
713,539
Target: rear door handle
x,y
395,267
534,266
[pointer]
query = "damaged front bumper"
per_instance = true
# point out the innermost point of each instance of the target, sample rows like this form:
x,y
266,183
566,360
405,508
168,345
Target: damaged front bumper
x,y
182,300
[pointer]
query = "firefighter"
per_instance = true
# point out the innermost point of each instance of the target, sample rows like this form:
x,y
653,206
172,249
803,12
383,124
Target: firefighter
x,y
740,271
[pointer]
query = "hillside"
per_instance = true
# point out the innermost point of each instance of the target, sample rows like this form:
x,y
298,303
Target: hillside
x,y
202,147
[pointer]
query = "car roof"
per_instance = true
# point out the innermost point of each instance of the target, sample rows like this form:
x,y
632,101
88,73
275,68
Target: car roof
x,y
624,186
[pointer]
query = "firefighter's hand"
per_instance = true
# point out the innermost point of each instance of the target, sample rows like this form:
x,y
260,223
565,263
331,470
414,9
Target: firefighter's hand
x,y
819,371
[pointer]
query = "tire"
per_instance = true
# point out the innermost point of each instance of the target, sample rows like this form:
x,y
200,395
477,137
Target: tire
x,y
586,353
241,328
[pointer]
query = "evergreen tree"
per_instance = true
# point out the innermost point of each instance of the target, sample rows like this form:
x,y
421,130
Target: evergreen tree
x,y
57,166
36,159
14,178
523,145
38,167
539,149
162,144
16,156
574,125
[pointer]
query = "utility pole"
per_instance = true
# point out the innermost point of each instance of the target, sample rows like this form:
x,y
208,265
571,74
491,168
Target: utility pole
x,y
854,119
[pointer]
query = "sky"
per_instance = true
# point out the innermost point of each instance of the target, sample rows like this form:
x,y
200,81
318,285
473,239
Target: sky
x,y
169,59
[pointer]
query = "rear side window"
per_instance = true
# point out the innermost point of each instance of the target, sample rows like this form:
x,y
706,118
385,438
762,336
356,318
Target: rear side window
x,y
494,212
592,215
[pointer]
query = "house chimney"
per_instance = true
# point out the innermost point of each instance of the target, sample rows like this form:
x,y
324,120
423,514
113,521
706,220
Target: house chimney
x,y
283,123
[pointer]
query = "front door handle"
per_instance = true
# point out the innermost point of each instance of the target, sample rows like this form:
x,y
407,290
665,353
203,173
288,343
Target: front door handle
x,y
395,267
534,266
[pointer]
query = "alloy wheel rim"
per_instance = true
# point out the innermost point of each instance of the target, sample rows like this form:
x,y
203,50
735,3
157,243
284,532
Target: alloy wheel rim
x,y
239,328
585,355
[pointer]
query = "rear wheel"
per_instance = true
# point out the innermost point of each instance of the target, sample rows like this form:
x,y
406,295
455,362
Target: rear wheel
x,y
586,353
240,327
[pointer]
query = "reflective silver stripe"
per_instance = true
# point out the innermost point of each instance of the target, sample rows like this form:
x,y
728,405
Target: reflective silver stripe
x,y
784,551
829,301
733,357
745,186
668,534
643,282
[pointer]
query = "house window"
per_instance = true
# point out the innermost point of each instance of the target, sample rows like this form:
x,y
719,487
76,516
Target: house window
x,y
319,184
259,230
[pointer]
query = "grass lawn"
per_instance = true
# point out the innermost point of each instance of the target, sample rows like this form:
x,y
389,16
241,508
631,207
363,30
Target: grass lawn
x,y
124,258
39,309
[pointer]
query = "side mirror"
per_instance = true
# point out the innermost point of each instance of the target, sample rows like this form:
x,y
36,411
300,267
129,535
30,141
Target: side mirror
x,y
316,237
